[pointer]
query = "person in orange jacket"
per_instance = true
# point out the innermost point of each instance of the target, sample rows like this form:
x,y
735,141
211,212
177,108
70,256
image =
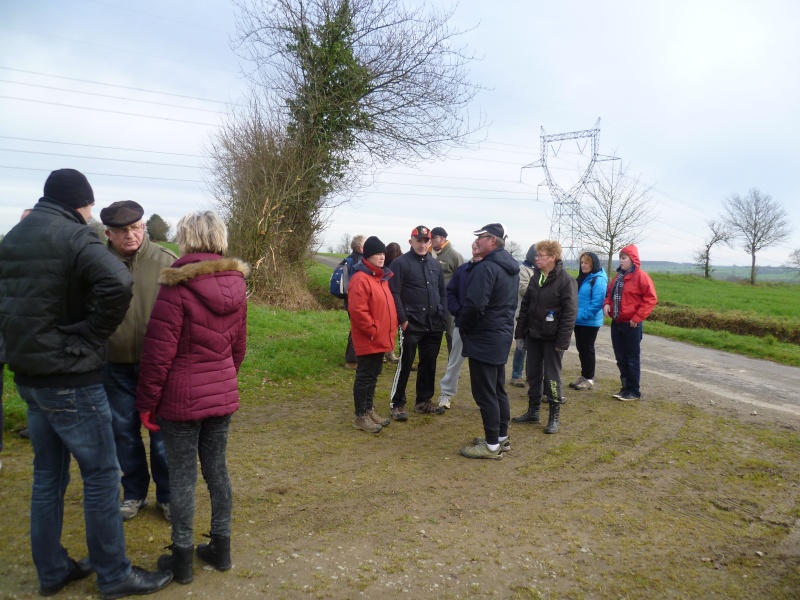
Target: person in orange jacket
x,y
630,298
373,319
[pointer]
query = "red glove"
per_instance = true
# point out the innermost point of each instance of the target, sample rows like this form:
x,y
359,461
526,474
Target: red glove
x,y
148,420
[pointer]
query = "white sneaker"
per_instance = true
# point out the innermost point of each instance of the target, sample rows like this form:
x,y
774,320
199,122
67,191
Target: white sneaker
x,y
130,508
165,510
444,400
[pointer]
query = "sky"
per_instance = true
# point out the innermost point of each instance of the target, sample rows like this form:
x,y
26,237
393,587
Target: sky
x,y
696,99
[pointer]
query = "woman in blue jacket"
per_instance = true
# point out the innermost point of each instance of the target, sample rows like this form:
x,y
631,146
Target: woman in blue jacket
x,y
592,284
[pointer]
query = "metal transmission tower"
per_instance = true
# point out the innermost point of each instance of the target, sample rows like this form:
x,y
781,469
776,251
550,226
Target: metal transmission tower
x,y
565,226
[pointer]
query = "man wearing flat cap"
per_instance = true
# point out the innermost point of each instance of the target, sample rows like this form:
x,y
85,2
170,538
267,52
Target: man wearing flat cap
x,y
443,251
128,242
419,297
61,296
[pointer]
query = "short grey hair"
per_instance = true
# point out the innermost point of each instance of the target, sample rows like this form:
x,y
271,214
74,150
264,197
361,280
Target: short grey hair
x,y
357,245
202,231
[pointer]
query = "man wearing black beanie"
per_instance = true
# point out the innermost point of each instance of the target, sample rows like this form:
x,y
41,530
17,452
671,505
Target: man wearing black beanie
x,y
63,295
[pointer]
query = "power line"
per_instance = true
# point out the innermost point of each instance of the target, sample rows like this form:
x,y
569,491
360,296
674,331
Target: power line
x,y
8,137
138,162
107,174
139,12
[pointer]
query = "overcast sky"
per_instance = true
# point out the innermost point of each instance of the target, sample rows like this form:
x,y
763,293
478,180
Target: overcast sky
x,y
697,98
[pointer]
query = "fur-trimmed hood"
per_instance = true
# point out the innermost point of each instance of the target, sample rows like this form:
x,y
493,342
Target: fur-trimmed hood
x,y
215,281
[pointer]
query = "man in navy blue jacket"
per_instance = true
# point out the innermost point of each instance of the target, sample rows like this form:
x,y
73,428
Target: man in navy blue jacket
x,y
486,326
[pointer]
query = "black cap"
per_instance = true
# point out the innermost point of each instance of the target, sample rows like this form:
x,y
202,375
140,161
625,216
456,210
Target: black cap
x,y
121,214
373,246
70,188
420,231
495,229
438,231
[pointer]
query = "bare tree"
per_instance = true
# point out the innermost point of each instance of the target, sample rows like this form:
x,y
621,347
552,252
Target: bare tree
x,y
344,244
758,222
719,233
794,261
615,211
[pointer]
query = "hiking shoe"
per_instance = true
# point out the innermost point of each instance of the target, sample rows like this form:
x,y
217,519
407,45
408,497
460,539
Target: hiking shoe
x,y
399,413
130,508
351,366
392,358
165,510
517,382
444,401
505,445
481,451
628,396
24,433
619,393
78,569
364,423
428,408
376,418
583,384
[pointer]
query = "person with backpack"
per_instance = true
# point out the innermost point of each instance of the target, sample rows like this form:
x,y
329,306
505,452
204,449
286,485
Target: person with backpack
x,y
353,259
592,283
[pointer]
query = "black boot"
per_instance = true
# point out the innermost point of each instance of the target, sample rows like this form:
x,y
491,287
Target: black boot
x,y
532,416
217,552
179,562
552,422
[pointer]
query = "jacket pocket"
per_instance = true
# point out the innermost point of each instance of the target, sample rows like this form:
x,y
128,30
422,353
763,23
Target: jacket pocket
x,y
549,322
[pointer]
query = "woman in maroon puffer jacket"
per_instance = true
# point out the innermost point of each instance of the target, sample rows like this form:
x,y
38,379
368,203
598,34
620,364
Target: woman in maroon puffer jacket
x,y
193,348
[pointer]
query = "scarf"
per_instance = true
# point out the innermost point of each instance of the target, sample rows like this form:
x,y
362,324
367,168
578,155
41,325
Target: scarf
x,y
616,291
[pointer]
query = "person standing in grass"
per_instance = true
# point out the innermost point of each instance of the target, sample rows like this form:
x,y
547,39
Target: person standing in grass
x,y
193,348
629,300
373,320
592,284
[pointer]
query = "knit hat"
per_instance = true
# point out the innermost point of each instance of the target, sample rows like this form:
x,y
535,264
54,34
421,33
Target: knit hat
x,y
438,231
70,188
373,246
121,214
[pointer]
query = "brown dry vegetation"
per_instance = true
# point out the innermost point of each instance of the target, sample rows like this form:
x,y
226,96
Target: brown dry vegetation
x,y
667,498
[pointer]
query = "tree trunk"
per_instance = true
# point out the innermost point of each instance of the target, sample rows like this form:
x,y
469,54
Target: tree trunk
x,y
753,269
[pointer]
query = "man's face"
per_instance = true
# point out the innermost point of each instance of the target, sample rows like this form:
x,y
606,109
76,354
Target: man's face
x,y
420,245
437,242
486,243
126,240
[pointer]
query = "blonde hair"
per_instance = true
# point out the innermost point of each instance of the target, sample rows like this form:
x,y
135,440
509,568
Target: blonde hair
x,y
588,258
549,247
202,231
357,244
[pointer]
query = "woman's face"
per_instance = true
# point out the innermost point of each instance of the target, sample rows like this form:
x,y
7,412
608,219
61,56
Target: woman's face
x,y
377,259
625,261
586,265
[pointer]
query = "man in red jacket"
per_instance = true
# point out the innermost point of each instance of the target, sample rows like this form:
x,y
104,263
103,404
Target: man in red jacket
x,y
373,319
630,299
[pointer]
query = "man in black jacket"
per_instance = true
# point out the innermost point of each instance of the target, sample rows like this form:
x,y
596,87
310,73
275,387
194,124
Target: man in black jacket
x,y
419,296
486,325
62,294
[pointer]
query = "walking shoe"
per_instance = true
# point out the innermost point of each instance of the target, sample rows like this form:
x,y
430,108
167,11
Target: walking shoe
x,y
24,433
576,383
352,366
138,583
517,382
505,445
130,508
376,418
77,570
428,408
444,400
165,510
628,396
399,413
481,451
364,423
619,393
583,384
392,358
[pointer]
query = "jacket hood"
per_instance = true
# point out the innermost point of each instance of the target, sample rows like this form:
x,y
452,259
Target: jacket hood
x,y
530,257
504,259
633,252
211,278
596,262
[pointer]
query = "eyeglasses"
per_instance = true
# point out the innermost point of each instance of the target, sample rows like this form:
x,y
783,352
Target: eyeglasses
x,y
129,229
485,237
542,256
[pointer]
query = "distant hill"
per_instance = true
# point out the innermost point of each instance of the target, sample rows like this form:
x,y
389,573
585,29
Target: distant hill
x,y
725,273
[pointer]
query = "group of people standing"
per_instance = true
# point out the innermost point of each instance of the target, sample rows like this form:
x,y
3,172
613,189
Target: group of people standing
x,y
104,339
492,300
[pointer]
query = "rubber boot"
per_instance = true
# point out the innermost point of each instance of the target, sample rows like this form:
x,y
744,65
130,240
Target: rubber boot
x,y
179,562
552,422
217,552
532,416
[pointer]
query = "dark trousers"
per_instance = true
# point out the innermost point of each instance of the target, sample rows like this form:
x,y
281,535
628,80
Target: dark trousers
x,y
627,343
369,367
428,343
585,338
185,440
488,388
544,371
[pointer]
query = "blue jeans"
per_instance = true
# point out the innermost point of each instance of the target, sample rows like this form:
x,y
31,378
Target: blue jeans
x,y
185,440
518,365
627,342
77,422
120,382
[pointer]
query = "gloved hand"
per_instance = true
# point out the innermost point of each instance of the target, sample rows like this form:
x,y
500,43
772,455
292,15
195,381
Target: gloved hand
x,y
79,337
522,344
148,419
